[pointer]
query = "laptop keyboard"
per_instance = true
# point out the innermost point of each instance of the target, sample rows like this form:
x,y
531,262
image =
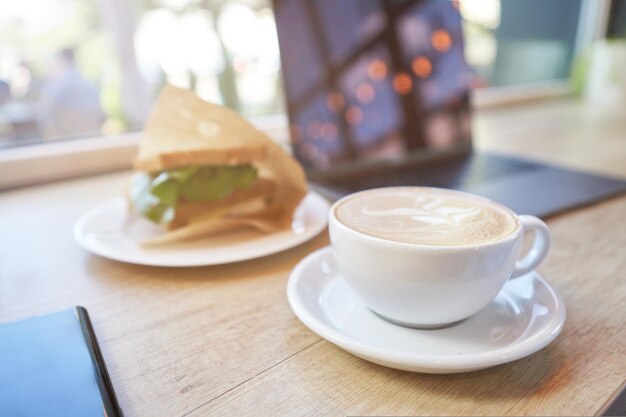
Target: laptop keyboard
x,y
475,169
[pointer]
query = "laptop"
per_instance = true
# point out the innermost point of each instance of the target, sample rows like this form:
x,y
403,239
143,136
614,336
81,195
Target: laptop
x,y
377,95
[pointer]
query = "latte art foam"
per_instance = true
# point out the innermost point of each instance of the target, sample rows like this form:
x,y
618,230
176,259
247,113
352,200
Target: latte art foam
x,y
426,216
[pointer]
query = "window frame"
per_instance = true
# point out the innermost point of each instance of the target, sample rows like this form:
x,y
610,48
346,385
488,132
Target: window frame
x,y
46,162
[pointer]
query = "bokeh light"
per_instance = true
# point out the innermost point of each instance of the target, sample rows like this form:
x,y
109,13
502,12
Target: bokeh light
x,y
365,93
377,69
402,83
335,102
441,40
422,67
354,115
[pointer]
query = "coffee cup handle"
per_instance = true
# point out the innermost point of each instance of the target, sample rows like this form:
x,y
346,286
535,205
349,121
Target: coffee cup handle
x,y
539,249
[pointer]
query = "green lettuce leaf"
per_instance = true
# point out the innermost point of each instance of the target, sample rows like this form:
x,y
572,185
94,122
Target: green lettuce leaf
x,y
166,189
156,197
217,182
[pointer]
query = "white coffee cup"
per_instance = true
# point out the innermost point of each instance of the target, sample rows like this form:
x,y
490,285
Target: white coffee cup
x,y
428,286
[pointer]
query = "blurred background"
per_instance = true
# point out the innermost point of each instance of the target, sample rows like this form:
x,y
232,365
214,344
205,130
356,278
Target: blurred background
x,y
83,68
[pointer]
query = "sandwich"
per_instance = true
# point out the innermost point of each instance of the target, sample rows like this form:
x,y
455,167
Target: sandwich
x,y
202,169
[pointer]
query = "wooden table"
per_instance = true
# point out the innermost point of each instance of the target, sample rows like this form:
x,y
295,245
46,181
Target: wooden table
x,y
223,341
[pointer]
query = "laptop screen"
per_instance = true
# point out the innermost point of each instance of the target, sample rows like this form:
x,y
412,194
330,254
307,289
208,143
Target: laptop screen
x,y
372,79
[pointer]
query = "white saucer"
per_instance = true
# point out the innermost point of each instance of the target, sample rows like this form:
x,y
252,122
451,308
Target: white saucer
x,y
104,231
526,316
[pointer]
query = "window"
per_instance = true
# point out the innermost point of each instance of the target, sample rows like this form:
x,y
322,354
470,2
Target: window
x,y
85,68
515,42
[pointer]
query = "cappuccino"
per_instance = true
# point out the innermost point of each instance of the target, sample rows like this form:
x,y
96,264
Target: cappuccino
x,y
426,216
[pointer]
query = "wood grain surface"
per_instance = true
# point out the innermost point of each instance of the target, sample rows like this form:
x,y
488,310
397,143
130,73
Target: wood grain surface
x,y
222,340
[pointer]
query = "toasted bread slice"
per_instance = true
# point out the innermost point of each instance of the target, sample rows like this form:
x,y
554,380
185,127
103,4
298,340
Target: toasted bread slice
x,y
185,130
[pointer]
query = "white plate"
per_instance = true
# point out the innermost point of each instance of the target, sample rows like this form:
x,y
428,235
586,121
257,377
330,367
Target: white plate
x,y
526,316
105,231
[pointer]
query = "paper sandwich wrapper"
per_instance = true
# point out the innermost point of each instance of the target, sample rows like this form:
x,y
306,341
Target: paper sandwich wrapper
x,y
184,130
